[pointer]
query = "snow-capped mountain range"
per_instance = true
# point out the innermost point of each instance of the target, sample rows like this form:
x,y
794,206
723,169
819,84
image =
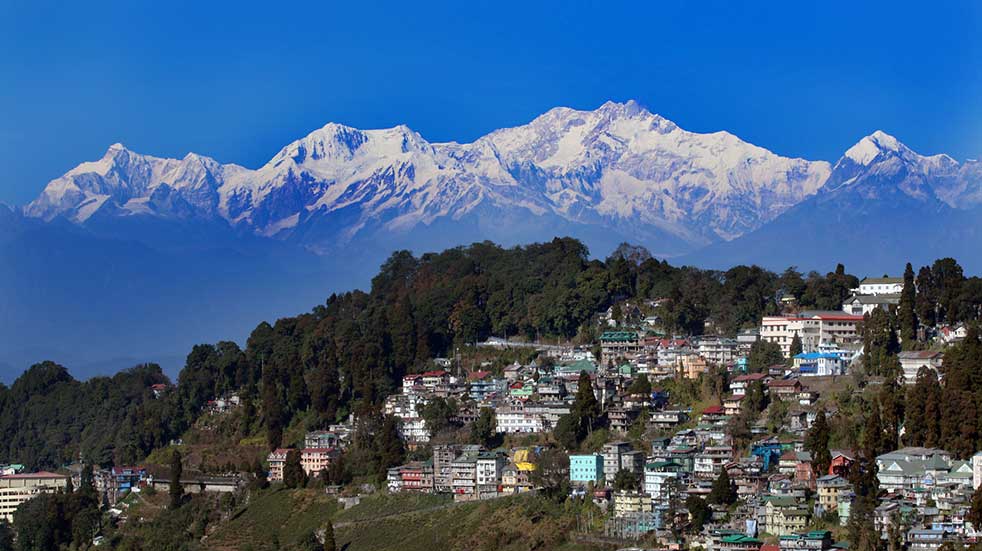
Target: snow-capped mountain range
x,y
143,257
619,170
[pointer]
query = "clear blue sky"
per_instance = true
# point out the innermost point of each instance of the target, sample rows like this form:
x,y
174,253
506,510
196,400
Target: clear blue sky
x,y
238,81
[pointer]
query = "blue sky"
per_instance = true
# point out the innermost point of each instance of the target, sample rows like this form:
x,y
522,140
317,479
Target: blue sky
x,y
240,80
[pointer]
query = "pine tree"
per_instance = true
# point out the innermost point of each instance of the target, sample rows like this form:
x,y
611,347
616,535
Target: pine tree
x,y
293,473
176,472
389,445
796,348
817,443
585,406
873,433
329,543
260,479
723,491
906,315
975,512
483,430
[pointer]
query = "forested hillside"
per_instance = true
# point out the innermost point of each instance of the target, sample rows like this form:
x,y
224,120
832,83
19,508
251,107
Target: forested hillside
x,y
352,350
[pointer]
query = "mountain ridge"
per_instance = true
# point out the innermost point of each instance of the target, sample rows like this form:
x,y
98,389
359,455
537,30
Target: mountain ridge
x,y
619,166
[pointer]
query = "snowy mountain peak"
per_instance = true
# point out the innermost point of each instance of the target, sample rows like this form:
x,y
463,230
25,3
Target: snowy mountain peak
x,y
869,148
616,168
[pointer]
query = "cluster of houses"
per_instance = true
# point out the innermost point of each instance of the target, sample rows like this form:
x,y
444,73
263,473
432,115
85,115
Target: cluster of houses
x,y
320,448
469,472
776,485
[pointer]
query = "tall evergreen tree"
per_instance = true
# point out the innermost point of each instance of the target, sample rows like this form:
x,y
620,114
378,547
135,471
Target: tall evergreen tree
x,y
796,348
873,432
483,429
329,542
975,510
176,472
388,442
817,443
723,491
906,314
293,474
585,405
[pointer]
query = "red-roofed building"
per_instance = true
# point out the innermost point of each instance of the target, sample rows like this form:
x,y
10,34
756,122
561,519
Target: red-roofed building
x,y
432,379
315,460
713,413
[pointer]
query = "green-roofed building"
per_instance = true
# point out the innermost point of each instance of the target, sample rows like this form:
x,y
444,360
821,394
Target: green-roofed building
x,y
619,344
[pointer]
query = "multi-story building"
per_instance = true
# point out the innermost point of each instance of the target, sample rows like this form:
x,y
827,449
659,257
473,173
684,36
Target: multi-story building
x,y
691,365
657,477
276,461
784,516
912,361
709,462
488,474
633,462
586,468
629,503
880,286
816,540
518,418
18,488
718,350
818,364
464,471
619,344
740,383
812,328
859,305
443,458
738,542
612,452
315,460
830,487
321,439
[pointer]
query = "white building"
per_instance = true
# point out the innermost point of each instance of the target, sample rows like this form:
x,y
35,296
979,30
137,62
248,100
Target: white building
x,y
912,361
818,364
977,470
657,476
718,350
489,468
517,419
865,304
880,286
813,328
18,488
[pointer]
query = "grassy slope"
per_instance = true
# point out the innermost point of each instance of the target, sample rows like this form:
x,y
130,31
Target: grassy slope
x,y
274,515
403,523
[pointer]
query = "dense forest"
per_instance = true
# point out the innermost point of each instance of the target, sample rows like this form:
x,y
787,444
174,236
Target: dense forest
x,y
351,351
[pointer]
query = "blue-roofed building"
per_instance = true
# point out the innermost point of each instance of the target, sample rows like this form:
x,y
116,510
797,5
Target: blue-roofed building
x,y
818,364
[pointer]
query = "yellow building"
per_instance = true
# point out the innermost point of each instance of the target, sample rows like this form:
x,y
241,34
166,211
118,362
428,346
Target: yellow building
x,y
628,503
691,365
784,516
18,488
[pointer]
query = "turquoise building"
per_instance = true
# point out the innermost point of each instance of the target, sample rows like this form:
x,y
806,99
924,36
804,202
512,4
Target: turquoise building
x,y
586,468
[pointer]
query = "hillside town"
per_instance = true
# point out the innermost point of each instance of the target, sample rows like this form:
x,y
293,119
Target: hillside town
x,y
741,464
